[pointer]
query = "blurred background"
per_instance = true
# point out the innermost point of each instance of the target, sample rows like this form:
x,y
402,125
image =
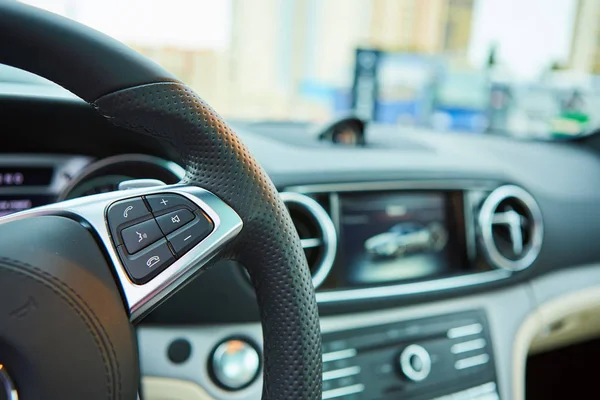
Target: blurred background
x,y
525,68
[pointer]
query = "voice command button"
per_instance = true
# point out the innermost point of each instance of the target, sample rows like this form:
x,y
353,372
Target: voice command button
x,y
140,235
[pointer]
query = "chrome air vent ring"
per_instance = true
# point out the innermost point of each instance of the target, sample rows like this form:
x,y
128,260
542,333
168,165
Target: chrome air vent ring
x,y
317,233
510,228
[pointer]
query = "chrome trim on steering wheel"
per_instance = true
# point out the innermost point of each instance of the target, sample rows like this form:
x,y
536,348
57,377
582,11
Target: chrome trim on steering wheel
x,y
143,298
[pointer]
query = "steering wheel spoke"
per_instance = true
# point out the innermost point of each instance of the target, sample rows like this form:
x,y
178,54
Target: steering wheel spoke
x,y
156,239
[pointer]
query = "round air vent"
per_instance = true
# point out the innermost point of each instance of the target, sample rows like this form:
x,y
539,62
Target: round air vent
x,y
316,231
511,228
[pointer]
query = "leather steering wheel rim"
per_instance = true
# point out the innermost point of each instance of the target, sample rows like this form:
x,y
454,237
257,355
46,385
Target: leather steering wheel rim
x,y
132,92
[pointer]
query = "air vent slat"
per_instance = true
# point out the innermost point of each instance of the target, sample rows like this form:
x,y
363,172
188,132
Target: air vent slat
x,y
317,233
310,243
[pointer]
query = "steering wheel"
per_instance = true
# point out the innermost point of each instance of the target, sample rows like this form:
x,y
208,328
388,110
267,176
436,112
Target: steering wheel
x,y
76,275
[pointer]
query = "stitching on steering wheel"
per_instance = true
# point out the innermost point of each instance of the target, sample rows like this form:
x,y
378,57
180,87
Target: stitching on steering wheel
x,y
83,310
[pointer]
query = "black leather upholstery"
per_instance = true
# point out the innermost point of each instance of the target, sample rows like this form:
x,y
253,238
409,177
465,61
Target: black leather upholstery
x,y
64,333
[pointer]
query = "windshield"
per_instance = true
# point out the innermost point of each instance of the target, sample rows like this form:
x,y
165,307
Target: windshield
x,y
526,68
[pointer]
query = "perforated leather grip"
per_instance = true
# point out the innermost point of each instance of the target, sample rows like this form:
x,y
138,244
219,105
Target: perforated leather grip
x,y
268,246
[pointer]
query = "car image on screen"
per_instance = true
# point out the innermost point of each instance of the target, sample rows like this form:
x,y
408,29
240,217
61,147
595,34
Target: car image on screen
x,y
406,238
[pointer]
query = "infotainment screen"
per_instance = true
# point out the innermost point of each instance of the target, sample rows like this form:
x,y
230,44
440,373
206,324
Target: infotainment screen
x,y
398,236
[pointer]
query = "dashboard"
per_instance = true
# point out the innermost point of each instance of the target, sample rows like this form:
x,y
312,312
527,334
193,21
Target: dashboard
x,y
28,181
440,261
363,241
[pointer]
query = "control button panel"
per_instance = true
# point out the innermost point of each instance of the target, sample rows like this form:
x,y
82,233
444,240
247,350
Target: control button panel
x,y
151,232
412,360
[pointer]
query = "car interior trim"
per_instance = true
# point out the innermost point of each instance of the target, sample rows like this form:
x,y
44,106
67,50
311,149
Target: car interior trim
x,y
159,388
434,285
471,345
472,361
513,332
504,320
463,331
341,373
576,328
487,391
339,355
343,391
536,228
471,200
549,312
409,184
327,227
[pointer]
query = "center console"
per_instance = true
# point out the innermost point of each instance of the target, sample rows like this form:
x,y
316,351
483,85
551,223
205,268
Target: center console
x,y
446,357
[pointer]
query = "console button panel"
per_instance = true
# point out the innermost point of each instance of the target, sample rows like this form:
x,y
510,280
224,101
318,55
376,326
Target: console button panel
x,y
448,357
151,232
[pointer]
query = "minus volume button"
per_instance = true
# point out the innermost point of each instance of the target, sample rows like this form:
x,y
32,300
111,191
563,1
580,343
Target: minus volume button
x,y
190,235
